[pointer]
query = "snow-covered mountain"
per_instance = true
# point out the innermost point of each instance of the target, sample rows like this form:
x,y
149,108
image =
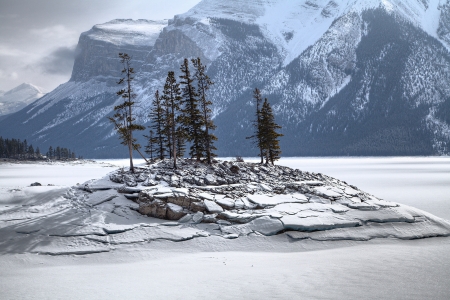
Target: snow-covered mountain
x,y
19,97
345,77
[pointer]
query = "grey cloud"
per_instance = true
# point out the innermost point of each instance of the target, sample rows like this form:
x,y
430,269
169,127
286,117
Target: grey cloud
x,y
60,61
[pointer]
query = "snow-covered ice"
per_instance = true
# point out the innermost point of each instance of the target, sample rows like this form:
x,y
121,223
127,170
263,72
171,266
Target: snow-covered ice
x,y
228,259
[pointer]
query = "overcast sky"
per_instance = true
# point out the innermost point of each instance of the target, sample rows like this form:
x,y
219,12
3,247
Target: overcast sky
x,y
38,37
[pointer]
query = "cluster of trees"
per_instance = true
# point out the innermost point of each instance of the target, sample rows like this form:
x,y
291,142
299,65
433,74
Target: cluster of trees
x,y
60,153
16,149
265,135
182,114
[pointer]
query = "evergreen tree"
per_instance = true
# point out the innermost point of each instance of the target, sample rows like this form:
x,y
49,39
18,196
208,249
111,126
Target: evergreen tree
x,y
191,115
38,152
152,141
58,153
123,120
30,153
203,85
181,141
269,134
257,136
158,119
50,152
172,101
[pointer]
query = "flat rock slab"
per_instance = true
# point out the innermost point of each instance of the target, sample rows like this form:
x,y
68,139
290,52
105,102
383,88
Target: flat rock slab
x,y
226,203
175,233
206,196
264,225
213,207
401,230
323,222
266,200
381,216
99,197
328,191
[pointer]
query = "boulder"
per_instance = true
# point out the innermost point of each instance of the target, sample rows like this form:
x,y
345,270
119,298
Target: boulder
x,y
183,201
146,196
117,178
210,179
174,212
129,180
156,208
198,206
197,217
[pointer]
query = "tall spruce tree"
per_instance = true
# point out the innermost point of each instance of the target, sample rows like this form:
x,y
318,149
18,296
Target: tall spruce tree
x,y
258,135
152,141
172,101
269,135
181,141
123,120
157,115
191,115
203,85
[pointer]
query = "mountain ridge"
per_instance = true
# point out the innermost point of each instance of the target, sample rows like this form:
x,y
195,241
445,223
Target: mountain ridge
x,y
316,88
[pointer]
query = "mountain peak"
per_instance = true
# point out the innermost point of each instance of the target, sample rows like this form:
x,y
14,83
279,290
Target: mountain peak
x,y
26,87
19,97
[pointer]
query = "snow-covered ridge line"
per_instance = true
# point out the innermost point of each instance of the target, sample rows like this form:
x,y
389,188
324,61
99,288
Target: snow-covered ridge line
x,y
127,32
295,25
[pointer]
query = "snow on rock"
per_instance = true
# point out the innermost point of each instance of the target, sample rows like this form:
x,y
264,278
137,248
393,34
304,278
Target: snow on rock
x,y
213,207
101,197
266,200
127,32
314,222
258,200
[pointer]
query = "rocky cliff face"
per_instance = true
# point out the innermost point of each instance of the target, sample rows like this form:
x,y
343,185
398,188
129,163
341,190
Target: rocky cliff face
x,y
344,77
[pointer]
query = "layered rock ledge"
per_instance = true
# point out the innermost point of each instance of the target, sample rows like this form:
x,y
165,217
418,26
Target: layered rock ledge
x,y
243,198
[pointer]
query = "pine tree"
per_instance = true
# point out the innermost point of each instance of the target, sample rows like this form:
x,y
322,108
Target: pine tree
x,y
191,115
181,141
203,85
58,153
257,136
152,141
30,153
123,120
172,101
158,120
50,152
269,135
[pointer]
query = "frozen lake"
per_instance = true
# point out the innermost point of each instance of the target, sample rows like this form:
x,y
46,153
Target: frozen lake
x,y
270,268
